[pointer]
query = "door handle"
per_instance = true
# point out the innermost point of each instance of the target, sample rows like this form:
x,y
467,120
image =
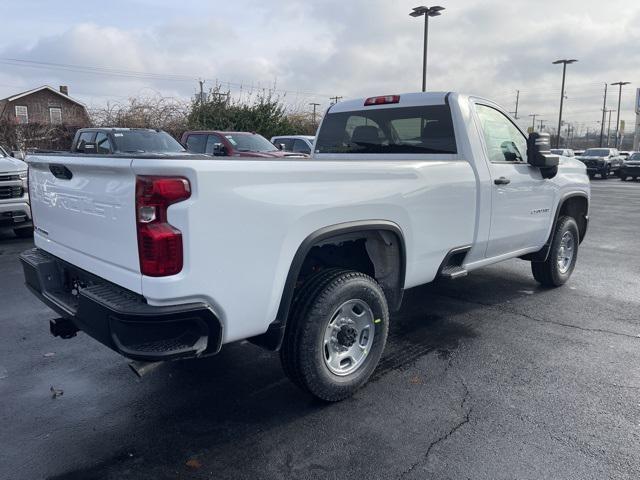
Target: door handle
x,y
502,181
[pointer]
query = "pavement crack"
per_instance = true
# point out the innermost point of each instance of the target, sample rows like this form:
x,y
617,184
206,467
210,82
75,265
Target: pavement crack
x,y
445,436
543,320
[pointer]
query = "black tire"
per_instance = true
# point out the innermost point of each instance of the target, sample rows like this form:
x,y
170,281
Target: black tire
x,y
605,174
548,272
591,175
623,178
302,352
24,232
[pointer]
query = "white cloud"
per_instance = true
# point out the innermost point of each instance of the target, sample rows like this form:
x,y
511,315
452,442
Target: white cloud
x,y
343,48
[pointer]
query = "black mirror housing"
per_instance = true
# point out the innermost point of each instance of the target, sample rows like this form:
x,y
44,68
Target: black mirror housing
x,y
539,151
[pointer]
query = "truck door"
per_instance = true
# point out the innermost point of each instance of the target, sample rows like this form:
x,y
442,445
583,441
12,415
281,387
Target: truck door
x,y
521,199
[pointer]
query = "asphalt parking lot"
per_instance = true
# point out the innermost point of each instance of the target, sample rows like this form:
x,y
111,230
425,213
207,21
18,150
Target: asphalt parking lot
x,y
487,377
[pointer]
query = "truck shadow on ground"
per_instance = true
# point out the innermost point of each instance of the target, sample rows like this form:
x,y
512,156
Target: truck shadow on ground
x,y
190,408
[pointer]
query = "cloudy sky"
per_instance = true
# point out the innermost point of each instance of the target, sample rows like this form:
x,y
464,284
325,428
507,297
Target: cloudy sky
x,y
109,51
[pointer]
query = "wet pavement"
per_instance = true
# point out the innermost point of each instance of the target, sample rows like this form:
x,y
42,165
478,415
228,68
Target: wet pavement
x,y
486,377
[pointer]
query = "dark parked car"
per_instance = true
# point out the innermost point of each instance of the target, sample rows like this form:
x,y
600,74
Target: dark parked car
x,y
233,144
125,140
602,161
631,167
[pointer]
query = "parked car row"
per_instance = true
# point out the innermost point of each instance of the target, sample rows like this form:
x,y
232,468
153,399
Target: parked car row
x,y
104,141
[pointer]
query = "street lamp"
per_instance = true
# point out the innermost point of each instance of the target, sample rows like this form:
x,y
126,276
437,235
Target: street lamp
x,y
427,12
620,84
564,72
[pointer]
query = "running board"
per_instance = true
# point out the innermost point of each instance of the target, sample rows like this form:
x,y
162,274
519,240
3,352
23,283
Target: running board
x,y
452,273
452,266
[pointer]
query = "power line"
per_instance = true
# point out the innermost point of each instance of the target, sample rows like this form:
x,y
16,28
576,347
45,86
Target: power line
x,y
136,74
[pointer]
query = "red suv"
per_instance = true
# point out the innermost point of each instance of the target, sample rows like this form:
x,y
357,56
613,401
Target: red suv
x,y
232,144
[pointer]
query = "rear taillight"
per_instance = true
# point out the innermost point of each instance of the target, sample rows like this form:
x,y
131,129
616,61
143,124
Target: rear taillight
x,y
159,243
384,100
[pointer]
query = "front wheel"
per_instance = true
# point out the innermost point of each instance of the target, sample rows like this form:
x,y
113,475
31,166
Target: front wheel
x,y
606,172
336,333
562,257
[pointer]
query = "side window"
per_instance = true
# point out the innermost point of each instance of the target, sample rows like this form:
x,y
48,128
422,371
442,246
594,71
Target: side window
x,y
299,146
211,141
85,137
505,143
103,144
196,143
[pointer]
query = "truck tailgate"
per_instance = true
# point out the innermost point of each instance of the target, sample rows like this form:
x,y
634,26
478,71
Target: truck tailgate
x,y
84,213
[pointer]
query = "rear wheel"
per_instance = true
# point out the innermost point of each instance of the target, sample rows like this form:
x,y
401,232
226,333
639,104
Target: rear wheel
x,y
563,254
336,333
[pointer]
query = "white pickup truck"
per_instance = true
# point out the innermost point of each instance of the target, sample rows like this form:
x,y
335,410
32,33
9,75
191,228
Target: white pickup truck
x,y
161,258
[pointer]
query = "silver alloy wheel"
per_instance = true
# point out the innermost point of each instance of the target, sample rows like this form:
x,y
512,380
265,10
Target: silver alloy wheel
x,y
566,252
348,337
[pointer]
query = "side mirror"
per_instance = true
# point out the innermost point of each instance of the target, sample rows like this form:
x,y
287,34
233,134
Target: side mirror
x,y
281,146
539,151
539,154
219,150
12,154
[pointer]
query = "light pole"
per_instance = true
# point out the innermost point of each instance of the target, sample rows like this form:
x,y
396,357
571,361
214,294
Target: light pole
x,y
604,112
427,12
620,84
564,72
609,127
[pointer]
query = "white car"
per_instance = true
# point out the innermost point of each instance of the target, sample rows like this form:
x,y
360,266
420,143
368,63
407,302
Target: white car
x,y
161,258
14,197
294,143
565,152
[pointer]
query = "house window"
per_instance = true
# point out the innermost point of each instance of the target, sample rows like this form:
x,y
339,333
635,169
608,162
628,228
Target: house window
x,y
55,115
22,115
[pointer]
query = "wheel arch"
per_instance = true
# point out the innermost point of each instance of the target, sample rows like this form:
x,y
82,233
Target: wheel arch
x,y
385,246
575,205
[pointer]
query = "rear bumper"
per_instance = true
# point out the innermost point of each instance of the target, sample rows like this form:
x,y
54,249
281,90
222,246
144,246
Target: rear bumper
x,y
119,318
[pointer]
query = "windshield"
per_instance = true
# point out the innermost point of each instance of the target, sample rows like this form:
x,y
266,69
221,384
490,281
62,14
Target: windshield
x,y
596,152
634,156
426,129
251,142
146,141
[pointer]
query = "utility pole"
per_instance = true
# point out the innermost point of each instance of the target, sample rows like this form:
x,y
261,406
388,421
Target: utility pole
x,y
636,136
515,114
427,12
533,123
314,105
609,127
335,99
541,125
620,84
604,110
201,82
564,73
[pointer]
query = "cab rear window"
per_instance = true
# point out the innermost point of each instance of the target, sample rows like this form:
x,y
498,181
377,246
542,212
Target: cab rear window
x,y
424,129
